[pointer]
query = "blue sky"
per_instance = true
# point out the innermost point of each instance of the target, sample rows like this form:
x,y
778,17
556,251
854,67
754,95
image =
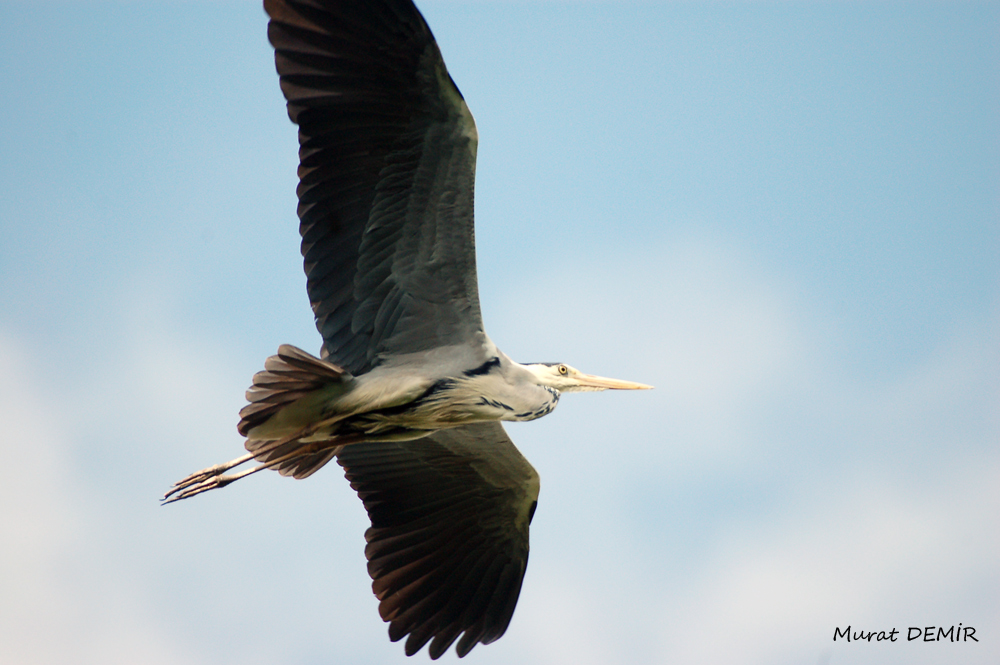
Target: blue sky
x,y
786,216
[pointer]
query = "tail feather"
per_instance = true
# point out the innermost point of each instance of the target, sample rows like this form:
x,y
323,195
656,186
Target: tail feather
x,y
293,357
287,377
307,465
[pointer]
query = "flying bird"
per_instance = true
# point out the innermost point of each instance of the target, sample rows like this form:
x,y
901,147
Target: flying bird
x,y
408,392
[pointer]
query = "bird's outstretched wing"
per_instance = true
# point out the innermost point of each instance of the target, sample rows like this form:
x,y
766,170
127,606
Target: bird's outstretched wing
x,y
448,545
387,168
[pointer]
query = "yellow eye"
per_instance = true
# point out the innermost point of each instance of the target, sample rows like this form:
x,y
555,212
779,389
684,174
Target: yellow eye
x,y
563,370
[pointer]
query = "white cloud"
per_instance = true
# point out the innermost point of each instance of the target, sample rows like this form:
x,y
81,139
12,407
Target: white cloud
x,y
61,599
831,499
875,559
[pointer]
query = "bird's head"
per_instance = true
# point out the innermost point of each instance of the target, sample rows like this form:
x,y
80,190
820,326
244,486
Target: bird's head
x,y
568,379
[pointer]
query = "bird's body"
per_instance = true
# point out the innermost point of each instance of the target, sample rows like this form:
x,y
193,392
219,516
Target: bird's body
x,y
409,390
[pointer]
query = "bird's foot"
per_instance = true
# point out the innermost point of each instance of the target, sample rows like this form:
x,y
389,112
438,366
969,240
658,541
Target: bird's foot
x,y
202,481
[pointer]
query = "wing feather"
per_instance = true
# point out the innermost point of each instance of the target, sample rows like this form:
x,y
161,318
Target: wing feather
x,y
386,176
448,545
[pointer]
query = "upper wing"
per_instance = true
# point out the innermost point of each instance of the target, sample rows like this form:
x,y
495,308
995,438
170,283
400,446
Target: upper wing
x,y
448,545
387,169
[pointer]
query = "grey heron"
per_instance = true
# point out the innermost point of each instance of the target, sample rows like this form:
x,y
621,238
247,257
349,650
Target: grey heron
x,y
409,391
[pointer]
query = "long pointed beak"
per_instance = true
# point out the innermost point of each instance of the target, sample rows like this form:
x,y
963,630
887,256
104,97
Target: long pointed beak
x,y
591,382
